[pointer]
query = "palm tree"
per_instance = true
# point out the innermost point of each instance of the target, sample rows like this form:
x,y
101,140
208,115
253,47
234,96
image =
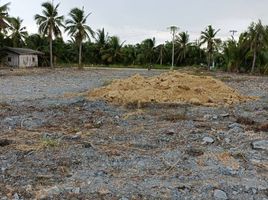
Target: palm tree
x,y
101,40
183,44
235,52
4,18
49,24
173,30
129,54
114,51
77,28
18,32
147,49
258,39
161,50
208,36
102,37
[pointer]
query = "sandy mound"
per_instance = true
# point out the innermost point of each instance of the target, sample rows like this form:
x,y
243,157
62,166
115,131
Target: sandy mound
x,y
172,87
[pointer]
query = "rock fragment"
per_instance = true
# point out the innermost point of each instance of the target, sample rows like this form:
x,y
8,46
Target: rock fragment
x,y
220,195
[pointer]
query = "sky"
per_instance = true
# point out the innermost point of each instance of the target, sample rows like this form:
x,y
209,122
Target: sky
x,y
136,20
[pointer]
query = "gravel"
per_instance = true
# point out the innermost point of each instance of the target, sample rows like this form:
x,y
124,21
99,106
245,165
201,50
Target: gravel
x,y
57,82
72,148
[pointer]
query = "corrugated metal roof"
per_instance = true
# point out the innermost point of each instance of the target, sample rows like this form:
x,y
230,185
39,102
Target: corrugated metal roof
x,y
22,51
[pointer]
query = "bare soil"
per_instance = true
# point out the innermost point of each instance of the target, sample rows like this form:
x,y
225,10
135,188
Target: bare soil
x,y
53,147
170,87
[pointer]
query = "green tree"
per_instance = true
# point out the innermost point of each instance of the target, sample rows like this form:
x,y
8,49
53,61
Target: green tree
x,y
36,42
77,28
209,37
236,53
18,31
4,17
49,24
113,53
183,43
129,54
258,38
101,40
146,51
160,50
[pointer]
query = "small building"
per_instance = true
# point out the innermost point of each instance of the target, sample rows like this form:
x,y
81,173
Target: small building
x,y
20,57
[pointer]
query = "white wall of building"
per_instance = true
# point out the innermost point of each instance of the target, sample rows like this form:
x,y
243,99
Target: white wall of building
x,y
15,60
28,61
12,60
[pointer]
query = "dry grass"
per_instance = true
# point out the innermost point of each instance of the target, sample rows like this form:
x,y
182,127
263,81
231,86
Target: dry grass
x,y
49,143
263,127
245,121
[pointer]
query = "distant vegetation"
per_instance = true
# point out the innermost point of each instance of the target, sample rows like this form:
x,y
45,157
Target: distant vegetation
x,y
248,54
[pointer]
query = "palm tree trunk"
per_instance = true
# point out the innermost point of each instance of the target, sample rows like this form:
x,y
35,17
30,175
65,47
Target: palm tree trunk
x,y
254,61
14,43
80,55
173,52
209,61
161,56
51,52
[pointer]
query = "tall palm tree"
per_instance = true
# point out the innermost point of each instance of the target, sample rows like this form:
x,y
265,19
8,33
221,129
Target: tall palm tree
x,y
258,39
183,43
173,30
208,37
77,28
4,18
18,32
49,24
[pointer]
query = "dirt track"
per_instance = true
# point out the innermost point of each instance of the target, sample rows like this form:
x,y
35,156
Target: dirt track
x,y
58,148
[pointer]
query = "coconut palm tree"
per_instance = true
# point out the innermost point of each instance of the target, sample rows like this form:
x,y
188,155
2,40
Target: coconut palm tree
x,y
161,51
114,51
209,37
4,18
77,28
18,32
129,54
146,51
49,24
183,43
101,40
235,52
258,38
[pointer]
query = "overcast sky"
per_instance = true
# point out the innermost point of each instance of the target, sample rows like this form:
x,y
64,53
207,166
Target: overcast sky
x,y
135,20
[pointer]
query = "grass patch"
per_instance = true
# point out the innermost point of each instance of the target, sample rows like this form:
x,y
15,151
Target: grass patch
x,y
106,83
49,143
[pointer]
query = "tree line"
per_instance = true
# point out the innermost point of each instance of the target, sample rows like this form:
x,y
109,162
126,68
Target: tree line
x,y
247,54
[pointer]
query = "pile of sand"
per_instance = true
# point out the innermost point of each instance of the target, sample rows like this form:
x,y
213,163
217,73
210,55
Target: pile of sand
x,y
171,87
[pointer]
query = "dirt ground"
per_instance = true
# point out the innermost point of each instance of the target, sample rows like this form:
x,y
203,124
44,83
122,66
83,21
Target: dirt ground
x,y
54,147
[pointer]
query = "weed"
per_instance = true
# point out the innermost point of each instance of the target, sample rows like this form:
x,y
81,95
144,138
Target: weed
x,y
107,82
49,143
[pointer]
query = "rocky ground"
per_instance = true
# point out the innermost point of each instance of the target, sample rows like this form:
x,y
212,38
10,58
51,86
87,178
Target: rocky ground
x,y
53,147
